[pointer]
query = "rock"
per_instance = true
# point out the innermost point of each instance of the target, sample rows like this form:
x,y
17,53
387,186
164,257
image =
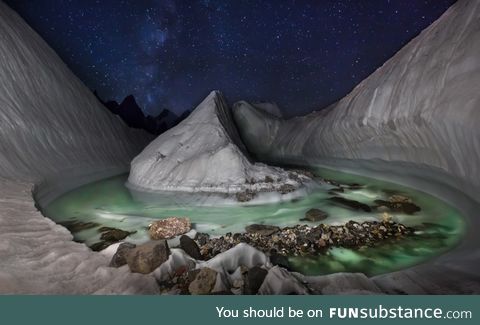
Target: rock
x,y
383,208
337,189
314,215
286,188
354,186
351,203
204,282
101,245
410,208
202,238
245,196
268,179
109,236
104,229
304,240
332,182
147,257
169,228
306,173
190,247
399,206
280,260
262,230
120,257
76,226
114,235
254,280
397,198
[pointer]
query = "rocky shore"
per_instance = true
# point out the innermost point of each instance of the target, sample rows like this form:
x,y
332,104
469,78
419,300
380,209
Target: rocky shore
x,y
297,176
303,240
277,245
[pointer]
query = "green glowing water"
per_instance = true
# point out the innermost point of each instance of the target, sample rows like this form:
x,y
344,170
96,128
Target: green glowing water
x,y
110,203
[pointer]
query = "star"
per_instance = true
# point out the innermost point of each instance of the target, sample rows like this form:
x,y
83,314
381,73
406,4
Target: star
x,y
303,55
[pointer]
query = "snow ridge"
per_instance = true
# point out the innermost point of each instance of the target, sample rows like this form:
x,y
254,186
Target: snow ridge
x,y
422,106
52,126
204,153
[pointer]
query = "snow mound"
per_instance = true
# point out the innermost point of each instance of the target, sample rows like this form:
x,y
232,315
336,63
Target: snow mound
x,y
204,153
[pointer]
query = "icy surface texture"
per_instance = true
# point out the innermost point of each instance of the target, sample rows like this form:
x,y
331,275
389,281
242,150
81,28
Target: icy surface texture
x,y
415,121
421,106
51,124
49,119
203,153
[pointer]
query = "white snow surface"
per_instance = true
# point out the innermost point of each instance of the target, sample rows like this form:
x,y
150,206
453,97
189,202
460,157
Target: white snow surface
x,y
269,107
52,126
414,121
203,153
422,106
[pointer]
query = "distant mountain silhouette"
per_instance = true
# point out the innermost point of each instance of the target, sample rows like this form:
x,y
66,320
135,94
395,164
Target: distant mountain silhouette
x,y
133,116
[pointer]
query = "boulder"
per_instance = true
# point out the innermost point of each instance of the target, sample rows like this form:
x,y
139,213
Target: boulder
x,y
202,238
147,257
99,246
114,235
120,257
169,228
76,226
398,206
262,230
355,205
314,215
254,280
280,260
190,247
204,282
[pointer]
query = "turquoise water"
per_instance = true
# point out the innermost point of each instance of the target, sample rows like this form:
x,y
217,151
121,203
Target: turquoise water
x,y
110,203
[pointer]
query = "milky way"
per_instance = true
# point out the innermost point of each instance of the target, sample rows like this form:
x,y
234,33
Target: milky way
x,y
170,54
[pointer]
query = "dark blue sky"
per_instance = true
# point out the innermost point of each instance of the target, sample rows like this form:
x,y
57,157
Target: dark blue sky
x,y
170,54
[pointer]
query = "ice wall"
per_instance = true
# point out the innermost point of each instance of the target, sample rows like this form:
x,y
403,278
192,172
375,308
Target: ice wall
x,y
422,106
49,120
51,126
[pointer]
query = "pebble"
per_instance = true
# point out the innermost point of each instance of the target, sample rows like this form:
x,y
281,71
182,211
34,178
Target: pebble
x,y
302,240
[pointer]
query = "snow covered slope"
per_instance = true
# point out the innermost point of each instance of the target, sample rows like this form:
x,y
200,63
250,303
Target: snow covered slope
x,y
204,153
414,121
52,126
49,119
269,107
422,106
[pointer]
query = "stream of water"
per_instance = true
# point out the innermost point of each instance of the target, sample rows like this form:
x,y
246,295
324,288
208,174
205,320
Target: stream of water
x,y
110,203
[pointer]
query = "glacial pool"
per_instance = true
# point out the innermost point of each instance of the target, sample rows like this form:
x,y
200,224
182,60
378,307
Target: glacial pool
x,y
111,203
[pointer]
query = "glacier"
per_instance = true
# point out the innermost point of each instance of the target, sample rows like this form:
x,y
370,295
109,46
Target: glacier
x,y
421,106
204,153
414,120
52,128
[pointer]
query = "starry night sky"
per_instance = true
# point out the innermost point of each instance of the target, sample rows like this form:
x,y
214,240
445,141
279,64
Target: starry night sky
x,y
170,54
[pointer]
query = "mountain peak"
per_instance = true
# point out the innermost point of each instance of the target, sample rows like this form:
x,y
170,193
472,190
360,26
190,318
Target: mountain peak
x,y
129,100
